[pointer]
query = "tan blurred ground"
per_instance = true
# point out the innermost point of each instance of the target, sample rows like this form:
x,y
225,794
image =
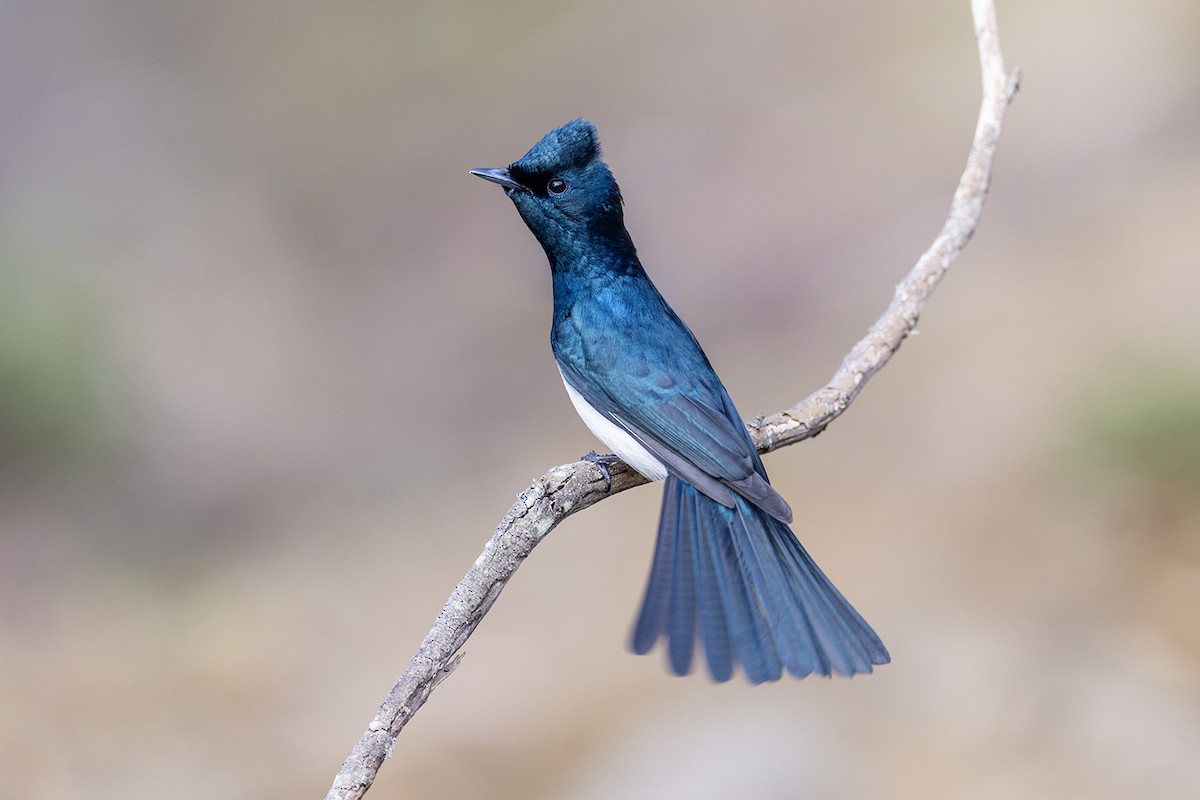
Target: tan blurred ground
x,y
272,365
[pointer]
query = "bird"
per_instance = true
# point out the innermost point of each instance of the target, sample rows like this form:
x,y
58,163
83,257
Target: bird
x,y
728,575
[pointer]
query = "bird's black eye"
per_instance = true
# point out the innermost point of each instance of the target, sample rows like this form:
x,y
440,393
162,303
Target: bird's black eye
x,y
556,186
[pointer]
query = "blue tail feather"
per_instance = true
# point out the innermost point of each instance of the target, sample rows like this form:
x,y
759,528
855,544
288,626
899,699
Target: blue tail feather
x,y
681,617
789,624
738,580
711,584
747,629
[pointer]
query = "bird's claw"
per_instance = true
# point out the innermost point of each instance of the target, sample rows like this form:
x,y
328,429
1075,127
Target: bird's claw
x,y
602,461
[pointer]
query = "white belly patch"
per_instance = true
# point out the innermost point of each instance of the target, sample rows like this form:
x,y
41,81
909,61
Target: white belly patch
x,y
614,436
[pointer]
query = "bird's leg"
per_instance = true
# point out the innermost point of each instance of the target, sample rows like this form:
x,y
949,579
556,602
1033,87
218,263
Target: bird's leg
x,y
602,461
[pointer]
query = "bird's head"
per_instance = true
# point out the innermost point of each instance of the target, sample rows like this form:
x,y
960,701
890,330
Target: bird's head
x,y
563,190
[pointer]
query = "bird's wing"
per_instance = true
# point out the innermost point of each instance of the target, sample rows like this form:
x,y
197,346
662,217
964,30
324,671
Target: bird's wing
x,y
686,420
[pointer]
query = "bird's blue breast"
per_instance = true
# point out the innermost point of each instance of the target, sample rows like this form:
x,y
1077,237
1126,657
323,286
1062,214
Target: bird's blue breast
x,y
625,341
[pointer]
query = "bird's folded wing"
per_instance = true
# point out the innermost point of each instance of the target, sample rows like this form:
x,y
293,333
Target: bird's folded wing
x,y
696,432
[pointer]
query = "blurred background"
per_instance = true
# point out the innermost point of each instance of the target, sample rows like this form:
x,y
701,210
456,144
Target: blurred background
x,y
272,366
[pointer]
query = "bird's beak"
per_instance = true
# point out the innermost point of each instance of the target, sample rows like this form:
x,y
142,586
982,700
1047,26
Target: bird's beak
x,y
500,176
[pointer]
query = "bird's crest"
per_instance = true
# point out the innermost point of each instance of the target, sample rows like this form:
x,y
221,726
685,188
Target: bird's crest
x,y
574,144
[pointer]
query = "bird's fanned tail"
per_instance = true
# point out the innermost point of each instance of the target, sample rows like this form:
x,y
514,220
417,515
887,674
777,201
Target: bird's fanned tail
x,y
739,581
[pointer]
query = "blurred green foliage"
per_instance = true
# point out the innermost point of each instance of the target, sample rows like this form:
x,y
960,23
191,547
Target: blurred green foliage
x,y
49,410
1146,425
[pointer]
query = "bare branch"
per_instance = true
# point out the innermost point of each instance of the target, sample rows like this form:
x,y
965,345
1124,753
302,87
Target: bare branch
x,y
570,488
814,413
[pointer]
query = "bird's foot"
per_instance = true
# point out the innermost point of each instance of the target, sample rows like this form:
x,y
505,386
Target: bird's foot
x,y
602,461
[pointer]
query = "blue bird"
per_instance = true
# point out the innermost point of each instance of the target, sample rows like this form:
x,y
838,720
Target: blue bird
x,y
727,572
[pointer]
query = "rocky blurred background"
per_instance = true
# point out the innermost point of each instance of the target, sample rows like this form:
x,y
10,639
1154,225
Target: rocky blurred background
x,y
272,365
